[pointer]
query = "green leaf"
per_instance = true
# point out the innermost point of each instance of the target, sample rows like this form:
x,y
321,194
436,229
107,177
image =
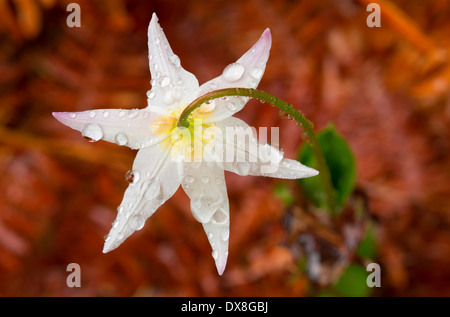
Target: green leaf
x,y
284,193
341,162
367,247
353,282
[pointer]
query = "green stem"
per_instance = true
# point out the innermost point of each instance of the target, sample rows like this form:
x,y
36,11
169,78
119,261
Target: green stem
x,y
285,108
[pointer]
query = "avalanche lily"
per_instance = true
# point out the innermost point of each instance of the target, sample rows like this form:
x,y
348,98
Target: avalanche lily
x,y
166,159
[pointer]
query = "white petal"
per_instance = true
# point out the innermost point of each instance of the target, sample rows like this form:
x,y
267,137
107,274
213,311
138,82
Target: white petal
x,y
156,178
246,72
289,169
204,183
124,127
244,155
171,84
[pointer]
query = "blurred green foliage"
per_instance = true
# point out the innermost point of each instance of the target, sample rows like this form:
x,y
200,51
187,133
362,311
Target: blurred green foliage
x,y
341,163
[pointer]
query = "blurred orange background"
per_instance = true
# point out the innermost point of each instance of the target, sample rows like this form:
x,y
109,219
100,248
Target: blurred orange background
x,y
386,90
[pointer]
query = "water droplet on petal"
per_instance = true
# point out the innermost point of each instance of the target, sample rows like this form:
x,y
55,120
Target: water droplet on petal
x,y
121,138
256,72
189,179
72,115
215,254
154,189
165,81
133,113
219,216
209,106
201,207
92,114
92,132
121,114
132,177
231,106
225,234
137,222
105,114
150,94
210,235
205,179
242,168
168,97
233,72
175,60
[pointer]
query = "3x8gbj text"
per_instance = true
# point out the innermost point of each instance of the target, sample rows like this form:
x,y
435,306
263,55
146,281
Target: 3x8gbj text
x,y
229,307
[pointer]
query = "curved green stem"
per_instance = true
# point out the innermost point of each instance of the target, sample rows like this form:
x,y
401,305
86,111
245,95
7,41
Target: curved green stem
x,y
285,108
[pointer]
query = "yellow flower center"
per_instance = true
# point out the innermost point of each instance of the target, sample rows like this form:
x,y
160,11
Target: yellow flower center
x,y
185,143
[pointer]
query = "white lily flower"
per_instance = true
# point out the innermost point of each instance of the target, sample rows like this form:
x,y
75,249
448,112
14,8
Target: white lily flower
x,y
162,164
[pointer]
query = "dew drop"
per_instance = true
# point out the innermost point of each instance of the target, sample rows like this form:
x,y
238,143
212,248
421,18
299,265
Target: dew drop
x,y
92,132
105,114
189,179
121,114
132,177
165,81
120,209
168,97
209,106
175,60
243,168
92,114
210,235
233,72
137,222
256,72
283,115
154,189
205,179
150,94
133,113
72,115
121,138
215,254
231,106
202,205
115,224
219,216
225,234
